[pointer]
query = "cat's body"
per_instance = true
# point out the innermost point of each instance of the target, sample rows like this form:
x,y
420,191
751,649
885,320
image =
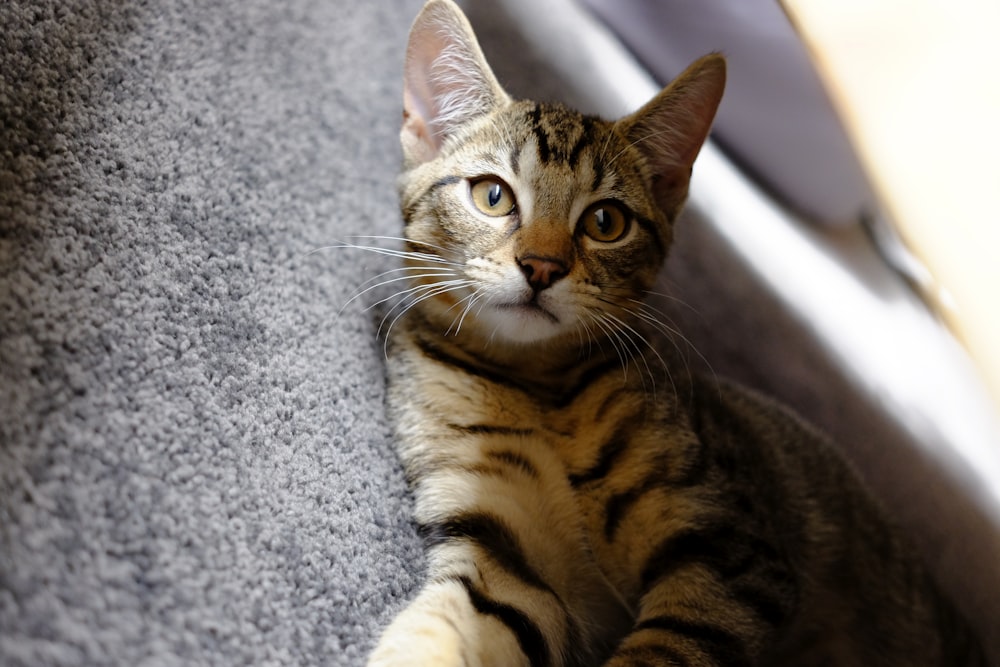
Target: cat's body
x,y
583,501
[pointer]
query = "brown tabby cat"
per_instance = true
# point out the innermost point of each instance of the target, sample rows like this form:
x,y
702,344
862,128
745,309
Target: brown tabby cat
x,y
581,507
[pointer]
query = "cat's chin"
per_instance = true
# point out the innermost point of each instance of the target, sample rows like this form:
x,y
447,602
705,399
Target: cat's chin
x,y
520,324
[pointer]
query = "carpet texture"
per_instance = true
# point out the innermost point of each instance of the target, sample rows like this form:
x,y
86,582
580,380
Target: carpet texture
x,y
195,467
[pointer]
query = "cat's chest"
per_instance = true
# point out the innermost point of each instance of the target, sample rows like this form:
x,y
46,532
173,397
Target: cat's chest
x,y
599,451
607,419
451,404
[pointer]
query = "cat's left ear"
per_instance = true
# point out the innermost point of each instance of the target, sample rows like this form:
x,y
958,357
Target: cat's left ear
x,y
671,128
447,81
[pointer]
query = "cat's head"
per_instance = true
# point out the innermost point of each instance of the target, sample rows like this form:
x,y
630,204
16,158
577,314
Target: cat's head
x,y
532,223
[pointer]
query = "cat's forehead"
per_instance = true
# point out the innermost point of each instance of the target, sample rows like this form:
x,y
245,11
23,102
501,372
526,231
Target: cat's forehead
x,y
550,144
560,136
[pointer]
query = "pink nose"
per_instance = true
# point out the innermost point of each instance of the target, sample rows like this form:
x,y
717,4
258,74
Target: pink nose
x,y
541,272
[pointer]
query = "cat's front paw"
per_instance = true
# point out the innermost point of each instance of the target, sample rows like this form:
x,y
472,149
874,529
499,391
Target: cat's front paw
x,y
429,644
441,628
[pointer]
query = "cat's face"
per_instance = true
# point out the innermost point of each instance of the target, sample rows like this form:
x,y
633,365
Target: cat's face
x,y
531,223
547,218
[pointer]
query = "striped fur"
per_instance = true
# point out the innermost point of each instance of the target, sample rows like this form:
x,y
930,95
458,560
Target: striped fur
x,y
581,503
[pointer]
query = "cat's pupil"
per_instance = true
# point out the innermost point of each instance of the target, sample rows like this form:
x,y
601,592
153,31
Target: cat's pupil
x,y
495,194
603,220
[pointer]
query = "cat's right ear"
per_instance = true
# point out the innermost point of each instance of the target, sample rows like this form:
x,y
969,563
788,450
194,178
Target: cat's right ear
x,y
447,81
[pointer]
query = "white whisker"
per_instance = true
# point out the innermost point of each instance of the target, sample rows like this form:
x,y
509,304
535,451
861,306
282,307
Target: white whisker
x,y
635,334
402,239
470,302
428,272
652,316
429,291
639,141
612,337
447,284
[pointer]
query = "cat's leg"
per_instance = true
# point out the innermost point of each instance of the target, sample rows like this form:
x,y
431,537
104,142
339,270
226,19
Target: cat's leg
x,y
692,627
509,579
713,588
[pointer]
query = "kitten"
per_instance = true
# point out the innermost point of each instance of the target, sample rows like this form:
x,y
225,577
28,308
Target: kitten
x,y
581,505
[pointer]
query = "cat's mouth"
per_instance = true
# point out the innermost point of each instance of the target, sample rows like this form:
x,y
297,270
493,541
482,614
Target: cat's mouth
x,y
529,308
522,318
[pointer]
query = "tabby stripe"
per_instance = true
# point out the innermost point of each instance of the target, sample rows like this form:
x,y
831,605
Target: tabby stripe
x,y
609,453
619,504
586,138
516,460
494,536
440,183
490,429
529,637
541,138
437,354
609,400
725,549
659,477
498,468
487,470
722,645
595,373
731,555
651,655
598,175
591,376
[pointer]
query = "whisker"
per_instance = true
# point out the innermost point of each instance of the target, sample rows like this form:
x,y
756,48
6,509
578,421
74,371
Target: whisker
x,y
448,284
430,272
469,301
623,332
652,348
612,337
430,291
479,298
389,252
651,315
400,238
639,141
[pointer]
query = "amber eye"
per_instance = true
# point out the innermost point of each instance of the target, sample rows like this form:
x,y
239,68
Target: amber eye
x,y
492,196
605,222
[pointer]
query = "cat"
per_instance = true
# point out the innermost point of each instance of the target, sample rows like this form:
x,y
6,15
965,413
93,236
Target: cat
x,y
582,504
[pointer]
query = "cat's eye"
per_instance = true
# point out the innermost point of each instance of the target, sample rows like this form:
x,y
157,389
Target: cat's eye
x,y
605,221
492,196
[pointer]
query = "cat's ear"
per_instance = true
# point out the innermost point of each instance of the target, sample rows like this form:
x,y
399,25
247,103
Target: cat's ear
x,y
447,81
671,128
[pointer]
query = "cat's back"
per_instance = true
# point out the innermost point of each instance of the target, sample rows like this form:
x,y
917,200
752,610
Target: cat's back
x,y
864,595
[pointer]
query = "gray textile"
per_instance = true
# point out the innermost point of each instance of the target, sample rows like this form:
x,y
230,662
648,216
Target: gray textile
x,y
195,467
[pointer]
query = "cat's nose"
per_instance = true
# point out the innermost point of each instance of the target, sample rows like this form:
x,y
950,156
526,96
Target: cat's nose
x,y
541,272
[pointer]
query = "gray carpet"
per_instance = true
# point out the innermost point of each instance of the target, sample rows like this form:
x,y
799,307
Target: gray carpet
x,y
195,468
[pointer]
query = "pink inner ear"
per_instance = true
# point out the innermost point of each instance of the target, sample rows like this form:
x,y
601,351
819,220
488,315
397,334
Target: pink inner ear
x,y
415,114
447,81
671,128
676,122
418,94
